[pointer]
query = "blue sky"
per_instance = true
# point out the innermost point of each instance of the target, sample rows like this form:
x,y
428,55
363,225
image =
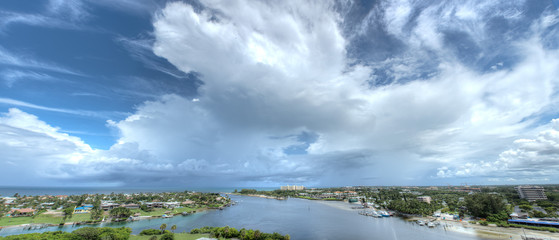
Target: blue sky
x,y
256,93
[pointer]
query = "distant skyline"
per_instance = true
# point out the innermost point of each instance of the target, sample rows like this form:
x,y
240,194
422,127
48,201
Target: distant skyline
x,y
109,93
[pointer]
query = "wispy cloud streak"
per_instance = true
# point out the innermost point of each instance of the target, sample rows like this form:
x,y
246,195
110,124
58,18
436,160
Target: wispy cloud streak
x,y
87,113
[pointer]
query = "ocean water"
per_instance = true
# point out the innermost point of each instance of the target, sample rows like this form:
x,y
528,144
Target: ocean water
x,y
301,219
33,191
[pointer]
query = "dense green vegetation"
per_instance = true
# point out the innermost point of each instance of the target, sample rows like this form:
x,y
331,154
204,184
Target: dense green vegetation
x,y
86,233
483,205
243,234
412,207
177,236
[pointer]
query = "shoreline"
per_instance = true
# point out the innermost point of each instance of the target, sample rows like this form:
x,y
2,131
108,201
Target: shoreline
x,y
259,195
490,232
140,218
464,227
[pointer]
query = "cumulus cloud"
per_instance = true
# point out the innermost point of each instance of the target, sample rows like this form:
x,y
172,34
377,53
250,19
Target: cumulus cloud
x,y
535,159
31,148
443,101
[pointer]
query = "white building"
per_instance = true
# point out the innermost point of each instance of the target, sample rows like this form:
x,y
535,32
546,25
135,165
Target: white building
x,y
294,187
426,199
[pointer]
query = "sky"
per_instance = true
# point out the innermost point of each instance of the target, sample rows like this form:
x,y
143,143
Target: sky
x,y
209,93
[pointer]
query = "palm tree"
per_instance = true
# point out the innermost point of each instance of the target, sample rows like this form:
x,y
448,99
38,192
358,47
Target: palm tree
x,y
173,228
163,226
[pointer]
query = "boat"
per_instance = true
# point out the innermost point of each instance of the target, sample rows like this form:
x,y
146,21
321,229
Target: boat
x,y
384,214
430,224
352,200
421,223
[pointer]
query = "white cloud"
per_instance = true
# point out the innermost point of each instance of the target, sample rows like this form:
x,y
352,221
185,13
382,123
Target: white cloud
x,y
273,70
31,148
534,159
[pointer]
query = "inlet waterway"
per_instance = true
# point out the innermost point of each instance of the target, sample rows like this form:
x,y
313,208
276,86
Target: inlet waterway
x,y
301,219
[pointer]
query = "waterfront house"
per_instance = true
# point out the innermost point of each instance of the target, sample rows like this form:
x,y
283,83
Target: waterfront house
x,y
80,210
83,209
171,204
23,212
187,202
109,206
154,204
131,206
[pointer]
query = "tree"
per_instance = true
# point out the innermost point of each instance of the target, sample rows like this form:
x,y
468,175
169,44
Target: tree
x,y
168,236
482,205
173,228
68,213
538,214
153,238
162,227
526,207
96,213
121,212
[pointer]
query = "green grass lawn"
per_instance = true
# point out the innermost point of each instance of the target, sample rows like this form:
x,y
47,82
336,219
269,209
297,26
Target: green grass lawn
x,y
43,218
178,236
161,211
79,217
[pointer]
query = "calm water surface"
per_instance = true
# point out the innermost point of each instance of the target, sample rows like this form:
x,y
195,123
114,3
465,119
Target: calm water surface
x,y
302,219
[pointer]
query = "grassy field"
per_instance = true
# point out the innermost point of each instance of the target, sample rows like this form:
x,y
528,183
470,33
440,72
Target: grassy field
x,y
178,236
43,218
160,211
55,219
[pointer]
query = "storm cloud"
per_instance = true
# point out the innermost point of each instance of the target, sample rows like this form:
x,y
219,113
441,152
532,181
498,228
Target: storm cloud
x,y
336,93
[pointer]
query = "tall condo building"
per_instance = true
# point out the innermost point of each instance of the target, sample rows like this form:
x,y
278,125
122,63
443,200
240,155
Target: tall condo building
x,y
531,193
292,187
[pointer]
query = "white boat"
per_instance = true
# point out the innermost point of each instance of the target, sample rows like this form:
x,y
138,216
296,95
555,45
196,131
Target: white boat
x,y
430,224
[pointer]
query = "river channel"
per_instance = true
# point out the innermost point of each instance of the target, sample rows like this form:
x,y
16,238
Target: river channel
x,y
301,219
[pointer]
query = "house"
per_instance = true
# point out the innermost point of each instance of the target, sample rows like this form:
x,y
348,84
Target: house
x,y
23,212
83,209
171,204
426,199
9,199
47,205
61,196
109,206
131,206
187,202
154,204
